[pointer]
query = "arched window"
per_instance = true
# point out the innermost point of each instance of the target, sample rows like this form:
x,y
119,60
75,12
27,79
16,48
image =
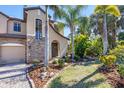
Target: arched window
x,y
38,29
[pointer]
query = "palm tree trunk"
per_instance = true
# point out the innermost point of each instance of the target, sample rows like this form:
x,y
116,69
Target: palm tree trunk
x,y
113,38
72,40
105,36
46,38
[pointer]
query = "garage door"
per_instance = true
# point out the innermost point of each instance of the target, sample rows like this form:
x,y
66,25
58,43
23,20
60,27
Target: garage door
x,y
11,53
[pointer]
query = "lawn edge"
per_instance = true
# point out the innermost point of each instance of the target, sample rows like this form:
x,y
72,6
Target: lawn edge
x,y
49,81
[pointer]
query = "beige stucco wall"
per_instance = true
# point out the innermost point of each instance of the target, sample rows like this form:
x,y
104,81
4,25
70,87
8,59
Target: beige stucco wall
x,y
3,25
62,43
32,15
11,30
12,40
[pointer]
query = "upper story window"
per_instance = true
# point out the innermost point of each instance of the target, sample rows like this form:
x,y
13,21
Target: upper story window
x,y
17,27
38,29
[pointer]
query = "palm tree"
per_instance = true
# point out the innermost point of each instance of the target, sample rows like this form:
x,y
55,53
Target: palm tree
x,y
59,26
105,10
84,25
112,28
70,15
55,9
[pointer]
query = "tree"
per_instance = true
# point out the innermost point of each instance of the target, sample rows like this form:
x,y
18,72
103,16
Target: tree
x,y
70,15
105,10
112,28
84,25
59,26
55,9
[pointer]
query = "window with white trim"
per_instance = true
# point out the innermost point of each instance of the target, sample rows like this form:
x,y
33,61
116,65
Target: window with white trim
x,y
17,27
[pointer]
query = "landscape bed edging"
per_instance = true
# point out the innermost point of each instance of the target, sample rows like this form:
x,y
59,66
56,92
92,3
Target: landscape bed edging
x,y
31,82
48,82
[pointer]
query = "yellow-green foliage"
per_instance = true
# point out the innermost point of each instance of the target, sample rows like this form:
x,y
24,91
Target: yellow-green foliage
x,y
118,52
108,60
81,43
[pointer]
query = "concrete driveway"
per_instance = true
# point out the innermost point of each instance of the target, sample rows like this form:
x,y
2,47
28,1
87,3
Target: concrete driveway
x,y
14,76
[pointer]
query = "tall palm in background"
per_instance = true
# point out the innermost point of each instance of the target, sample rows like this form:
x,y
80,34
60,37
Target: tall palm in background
x,y
84,25
70,15
112,30
105,10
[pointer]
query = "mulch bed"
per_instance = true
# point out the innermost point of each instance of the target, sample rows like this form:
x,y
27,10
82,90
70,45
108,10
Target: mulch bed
x,y
112,76
35,73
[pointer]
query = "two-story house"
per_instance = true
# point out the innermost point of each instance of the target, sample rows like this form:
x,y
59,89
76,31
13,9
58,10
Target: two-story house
x,y
23,40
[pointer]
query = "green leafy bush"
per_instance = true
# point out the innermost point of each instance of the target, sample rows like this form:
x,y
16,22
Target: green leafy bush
x,y
81,43
121,70
76,58
118,52
121,42
95,49
60,62
67,59
108,60
35,63
121,36
55,61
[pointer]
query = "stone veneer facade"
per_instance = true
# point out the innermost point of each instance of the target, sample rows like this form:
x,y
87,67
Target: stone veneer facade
x,y
35,49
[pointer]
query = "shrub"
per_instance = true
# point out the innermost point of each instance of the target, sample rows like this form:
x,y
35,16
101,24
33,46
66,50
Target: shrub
x,y
55,61
36,61
118,52
121,70
108,60
76,58
95,49
67,59
121,36
60,62
121,42
81,43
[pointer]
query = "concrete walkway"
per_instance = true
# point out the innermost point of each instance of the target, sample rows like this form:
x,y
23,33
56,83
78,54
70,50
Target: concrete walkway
x,y
14,76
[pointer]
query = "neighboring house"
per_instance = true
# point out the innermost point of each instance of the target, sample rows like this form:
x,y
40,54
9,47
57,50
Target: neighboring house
x,y
23,40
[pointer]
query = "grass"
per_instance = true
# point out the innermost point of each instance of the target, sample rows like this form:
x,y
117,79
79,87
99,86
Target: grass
x,y
80,76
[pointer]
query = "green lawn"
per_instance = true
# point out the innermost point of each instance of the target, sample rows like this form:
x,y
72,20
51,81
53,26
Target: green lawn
x,y
80,76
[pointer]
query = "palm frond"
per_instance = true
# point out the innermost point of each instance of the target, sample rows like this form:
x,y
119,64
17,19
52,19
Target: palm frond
x,y
113,10
59,26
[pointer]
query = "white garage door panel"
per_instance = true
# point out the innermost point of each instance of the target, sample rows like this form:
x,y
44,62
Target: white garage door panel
x,y
13,53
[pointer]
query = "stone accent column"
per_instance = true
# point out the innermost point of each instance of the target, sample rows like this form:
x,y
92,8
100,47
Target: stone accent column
x,y
35,49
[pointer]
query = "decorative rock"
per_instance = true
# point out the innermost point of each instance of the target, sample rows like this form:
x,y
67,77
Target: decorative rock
x,y
43,75
51,74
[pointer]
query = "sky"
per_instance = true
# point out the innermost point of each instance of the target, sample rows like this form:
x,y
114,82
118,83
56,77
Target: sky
x,y
17,11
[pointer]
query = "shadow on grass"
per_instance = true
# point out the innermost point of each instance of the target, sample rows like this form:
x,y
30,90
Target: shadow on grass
x,y
57,83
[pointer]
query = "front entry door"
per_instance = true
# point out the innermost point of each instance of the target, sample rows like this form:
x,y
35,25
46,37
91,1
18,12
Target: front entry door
x,y
54,49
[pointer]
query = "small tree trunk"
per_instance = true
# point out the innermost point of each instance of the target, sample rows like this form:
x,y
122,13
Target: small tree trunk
x,y
46,39
72,40
105,36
